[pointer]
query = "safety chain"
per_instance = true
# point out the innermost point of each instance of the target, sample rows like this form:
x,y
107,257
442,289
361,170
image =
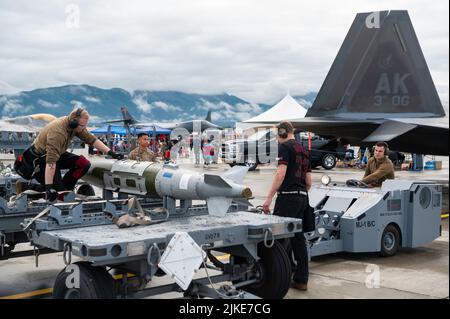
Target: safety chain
x,y
266,237
149,255
67,254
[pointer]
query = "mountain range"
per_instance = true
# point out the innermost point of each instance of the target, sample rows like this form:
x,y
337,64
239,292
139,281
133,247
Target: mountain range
x,y
158,106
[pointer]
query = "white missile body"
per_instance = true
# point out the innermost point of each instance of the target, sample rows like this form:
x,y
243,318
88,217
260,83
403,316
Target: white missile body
x,y
159,180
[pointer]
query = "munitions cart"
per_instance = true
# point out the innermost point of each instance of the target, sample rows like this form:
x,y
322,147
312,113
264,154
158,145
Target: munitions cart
x,y
257,264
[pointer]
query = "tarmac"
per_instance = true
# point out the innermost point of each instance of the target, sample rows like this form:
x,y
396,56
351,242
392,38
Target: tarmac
x,y
420,273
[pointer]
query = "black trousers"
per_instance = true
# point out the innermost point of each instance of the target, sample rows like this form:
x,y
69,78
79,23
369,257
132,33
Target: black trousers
x,y
295,206
77,166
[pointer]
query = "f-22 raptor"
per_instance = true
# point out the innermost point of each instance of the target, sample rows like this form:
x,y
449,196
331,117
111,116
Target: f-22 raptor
x,y
379,88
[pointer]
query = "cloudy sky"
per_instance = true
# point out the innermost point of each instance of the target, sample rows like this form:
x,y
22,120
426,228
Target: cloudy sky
x,y
256,49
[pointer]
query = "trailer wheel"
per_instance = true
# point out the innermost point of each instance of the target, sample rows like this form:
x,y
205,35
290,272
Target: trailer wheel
x,y
106,283
390,241
274,271
286,243
94,283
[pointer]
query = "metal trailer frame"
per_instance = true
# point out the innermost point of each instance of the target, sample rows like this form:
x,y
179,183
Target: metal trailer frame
x,y
401,213
90,235
13,214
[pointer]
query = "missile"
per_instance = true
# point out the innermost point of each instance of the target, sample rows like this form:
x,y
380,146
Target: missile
x,y
159,180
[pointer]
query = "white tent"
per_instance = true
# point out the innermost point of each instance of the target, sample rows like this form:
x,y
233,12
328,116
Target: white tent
x,y
287,109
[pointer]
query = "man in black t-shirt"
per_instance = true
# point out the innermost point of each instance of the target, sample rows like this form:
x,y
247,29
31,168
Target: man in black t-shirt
x,y
291,183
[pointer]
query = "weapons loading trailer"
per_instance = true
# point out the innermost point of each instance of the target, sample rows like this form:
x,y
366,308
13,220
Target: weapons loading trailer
x,y
12,214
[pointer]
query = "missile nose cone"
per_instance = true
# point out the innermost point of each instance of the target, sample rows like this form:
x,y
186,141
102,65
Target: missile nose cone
x,y
246,192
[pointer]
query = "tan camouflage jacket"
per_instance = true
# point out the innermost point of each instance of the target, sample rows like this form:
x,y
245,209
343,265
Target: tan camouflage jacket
x,y
54,139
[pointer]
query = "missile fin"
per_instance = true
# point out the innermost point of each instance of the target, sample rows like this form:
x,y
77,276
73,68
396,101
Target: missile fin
x,y
218,206
236,174
216,180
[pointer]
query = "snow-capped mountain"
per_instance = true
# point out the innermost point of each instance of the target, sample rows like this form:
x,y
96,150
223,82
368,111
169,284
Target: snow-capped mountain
x,y
158,106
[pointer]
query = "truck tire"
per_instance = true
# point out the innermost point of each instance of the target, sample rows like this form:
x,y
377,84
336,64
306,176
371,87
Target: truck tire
x,y
6,252
86,190
274,272
94,283
328,161
390,241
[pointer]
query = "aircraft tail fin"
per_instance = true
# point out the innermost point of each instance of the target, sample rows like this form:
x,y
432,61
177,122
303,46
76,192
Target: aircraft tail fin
x,y
127,118
379,71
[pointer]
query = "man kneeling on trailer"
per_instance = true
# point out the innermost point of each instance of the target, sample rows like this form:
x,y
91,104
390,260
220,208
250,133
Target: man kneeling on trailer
x,y
47,156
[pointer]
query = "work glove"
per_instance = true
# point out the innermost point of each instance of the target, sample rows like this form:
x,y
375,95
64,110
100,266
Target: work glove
x,y
50,193
115,155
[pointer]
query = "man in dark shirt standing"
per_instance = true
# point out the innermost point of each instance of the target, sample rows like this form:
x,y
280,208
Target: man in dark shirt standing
x,y
291,183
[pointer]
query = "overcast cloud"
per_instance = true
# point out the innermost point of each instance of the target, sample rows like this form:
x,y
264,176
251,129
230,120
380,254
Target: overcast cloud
x,y
257,50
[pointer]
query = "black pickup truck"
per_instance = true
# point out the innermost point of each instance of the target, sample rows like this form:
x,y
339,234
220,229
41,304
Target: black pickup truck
x,y
255,150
